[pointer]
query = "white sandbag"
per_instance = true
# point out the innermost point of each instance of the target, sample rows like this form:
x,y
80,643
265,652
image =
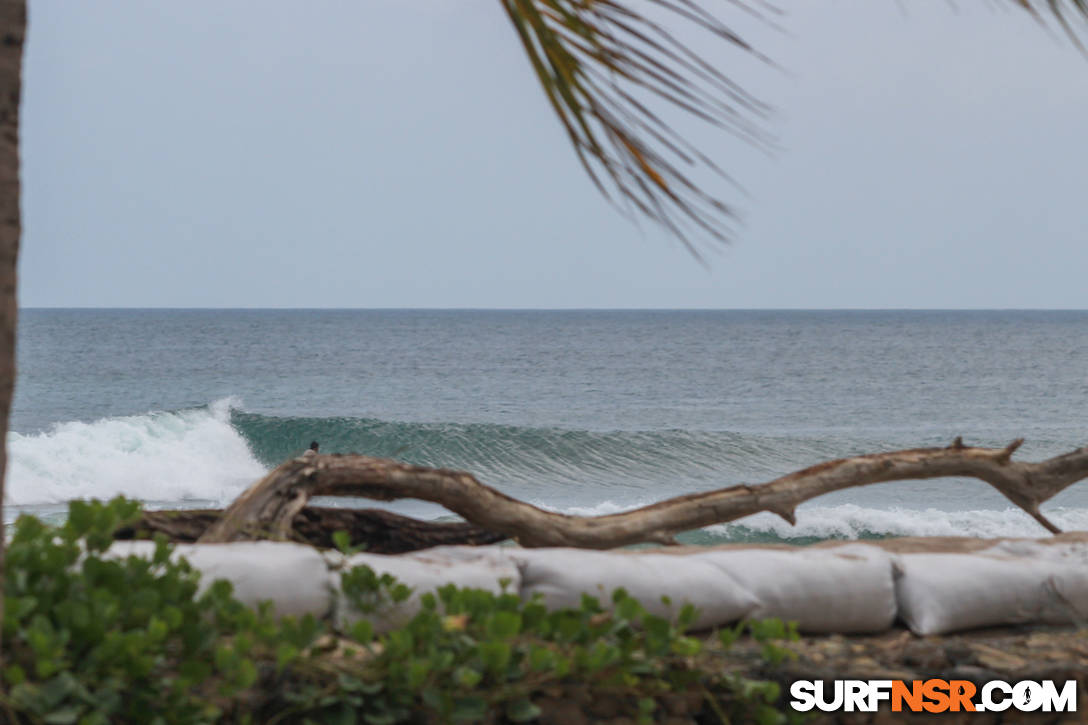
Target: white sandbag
x,y
125,549
844,589
1069,579
1074,553
560,576
940,593
293,577
426,571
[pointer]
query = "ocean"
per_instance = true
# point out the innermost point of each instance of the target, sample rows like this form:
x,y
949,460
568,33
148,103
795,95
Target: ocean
x,y
585,412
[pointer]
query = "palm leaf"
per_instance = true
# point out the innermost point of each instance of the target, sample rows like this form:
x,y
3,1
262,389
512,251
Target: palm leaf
x,y
1068,14
604,63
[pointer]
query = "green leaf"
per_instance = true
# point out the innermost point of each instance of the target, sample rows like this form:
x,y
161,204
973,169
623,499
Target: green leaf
x,y
687,646
766,715
541,659
172,616
157,629
371,687
20,608
467,677
28,696
433,697
728,637
417,673
246,674
469,709
503,625
63,716
285,654
522,710
163,549
399,592
225,659
345,715
686,618
79,517
342,541
628,608
362,631
495,655
220,590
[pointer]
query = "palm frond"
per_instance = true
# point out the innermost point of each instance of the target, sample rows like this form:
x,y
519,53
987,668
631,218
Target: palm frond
x,y
601,62
1070,15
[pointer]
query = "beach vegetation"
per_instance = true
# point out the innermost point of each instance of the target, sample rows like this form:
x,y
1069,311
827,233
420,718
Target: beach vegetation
x,y
96,638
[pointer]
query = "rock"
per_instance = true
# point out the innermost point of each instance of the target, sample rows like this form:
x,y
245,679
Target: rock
x,y
997,659
925,656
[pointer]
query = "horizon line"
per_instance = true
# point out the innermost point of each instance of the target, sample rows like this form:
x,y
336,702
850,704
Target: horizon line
x,y
550,309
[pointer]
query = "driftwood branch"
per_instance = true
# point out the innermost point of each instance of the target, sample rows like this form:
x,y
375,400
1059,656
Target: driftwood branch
x,y
381,532
270,505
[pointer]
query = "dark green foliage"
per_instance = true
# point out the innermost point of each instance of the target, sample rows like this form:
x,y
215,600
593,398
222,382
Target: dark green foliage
x,y
93,639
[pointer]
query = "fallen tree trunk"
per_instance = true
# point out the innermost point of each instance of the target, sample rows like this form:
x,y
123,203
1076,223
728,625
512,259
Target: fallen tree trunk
x,y
379,532
269,507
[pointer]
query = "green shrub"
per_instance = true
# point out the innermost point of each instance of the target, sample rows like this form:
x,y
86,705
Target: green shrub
x,y
92,639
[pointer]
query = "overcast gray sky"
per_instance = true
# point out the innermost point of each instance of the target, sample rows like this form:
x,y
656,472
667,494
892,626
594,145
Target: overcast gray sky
x,y
379,153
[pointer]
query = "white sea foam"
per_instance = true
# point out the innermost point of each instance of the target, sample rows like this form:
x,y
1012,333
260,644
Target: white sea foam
x,y
850,521
601,509
170,458
160,456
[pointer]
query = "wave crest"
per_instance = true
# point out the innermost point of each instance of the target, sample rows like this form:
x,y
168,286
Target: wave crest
x,y
207,455
522,455
162,456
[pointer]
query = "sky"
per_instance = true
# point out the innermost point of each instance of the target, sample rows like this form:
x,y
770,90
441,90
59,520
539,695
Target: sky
x,y
344,153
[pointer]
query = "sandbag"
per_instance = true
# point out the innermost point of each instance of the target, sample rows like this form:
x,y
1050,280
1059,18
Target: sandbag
x,y
426,571
135,547
294,577
941,593
560,576
845,589
1074,553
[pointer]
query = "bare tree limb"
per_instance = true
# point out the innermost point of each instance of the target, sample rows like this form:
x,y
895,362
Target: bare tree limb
x,y
380,532
270,504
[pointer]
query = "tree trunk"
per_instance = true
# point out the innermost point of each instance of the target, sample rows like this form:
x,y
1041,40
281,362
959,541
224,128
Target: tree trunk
x,y
12,35
269,507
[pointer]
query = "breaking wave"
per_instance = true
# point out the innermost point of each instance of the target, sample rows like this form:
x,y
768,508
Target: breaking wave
x,y
185,455
559,456
207,455
851,521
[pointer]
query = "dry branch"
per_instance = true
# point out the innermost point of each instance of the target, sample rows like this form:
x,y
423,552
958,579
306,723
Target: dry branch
x,y
380,532
269,506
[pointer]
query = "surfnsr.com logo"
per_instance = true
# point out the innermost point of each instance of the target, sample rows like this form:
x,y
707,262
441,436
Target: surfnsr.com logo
x,y
933,696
